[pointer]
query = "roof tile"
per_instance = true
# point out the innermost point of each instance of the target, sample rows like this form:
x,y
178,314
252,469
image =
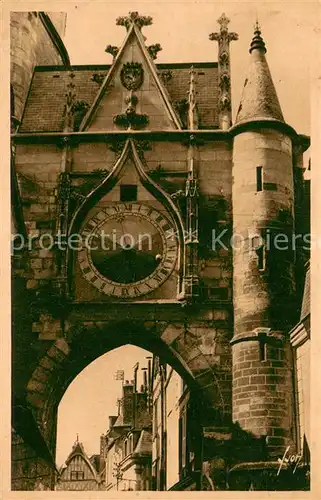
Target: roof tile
x,y
44,111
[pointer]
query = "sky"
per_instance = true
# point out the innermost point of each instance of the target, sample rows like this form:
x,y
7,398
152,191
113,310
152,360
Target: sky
x,y
92,397
182,29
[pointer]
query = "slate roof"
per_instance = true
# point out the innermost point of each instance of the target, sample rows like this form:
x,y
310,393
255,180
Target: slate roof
x,y
94,460
46,100
144,445
259,99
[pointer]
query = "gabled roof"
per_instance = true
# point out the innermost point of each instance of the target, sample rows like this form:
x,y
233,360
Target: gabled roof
x,y
259,100
134,36
78,449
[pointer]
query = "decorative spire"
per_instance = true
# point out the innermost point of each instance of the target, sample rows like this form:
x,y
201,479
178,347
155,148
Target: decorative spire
x,y
224,37
192,118
257,40
134,18
259,99
76,443
224,34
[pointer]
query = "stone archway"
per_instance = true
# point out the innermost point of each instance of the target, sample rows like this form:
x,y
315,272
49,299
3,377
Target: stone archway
x,y
85,342
196,349
176,343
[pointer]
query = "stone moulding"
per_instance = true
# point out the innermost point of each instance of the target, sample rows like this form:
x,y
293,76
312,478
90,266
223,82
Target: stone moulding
x,y
259,334
103,136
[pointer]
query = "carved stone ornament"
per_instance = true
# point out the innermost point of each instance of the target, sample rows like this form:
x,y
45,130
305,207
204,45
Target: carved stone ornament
x,y
134,18
225,103
153,50
98,78
117,146
131,119
166,75
132,75
112,49
224,81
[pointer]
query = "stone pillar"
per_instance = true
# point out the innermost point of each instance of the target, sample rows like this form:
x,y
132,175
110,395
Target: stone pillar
x,y
224,37
139,485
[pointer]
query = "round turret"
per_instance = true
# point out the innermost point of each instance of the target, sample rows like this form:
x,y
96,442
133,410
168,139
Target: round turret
x,y
263,259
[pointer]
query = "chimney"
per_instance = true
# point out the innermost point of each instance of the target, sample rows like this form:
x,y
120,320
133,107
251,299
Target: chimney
x,y
112,420
128,402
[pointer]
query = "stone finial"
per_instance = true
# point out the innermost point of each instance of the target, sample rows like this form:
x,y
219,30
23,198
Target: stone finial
x,y
134,18
223,21
257,41
76,442
224,37
192,117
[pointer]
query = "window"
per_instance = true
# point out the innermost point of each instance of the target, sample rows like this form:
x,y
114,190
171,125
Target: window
x,y
263,349
256,241
76,475
128,192
217,293
259,178
260,251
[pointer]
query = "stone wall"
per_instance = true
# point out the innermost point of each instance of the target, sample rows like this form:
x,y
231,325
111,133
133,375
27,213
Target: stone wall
x,y
29,472
263,392
30,46
263,286
262,297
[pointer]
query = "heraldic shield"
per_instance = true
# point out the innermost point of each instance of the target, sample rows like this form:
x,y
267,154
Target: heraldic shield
x,y
132,75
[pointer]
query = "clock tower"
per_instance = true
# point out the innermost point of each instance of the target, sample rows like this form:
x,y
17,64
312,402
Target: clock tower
x,y
134,188
130,241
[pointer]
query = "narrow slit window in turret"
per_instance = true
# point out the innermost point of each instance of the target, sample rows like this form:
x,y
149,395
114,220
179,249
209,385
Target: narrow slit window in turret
x,y
259,178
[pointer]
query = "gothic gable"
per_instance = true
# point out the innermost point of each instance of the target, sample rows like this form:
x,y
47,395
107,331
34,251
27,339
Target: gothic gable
x,y
132,94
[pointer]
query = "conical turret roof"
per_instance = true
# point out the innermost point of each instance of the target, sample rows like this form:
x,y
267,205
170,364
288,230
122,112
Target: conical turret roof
x,y
259,99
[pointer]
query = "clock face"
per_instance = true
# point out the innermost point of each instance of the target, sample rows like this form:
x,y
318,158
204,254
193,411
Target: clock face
x,y
128,250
